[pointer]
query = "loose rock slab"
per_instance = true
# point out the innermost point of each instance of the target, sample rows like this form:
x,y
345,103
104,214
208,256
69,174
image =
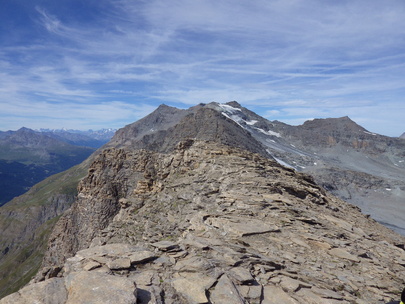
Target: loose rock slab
x,y
226,292
343,254
95,288
239,226
50,291
275,295
193,286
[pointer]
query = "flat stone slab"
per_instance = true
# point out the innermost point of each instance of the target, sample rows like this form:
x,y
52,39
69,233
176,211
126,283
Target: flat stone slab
x,y
122,263
308,296
143,256
343,254
91,265
49,291
330,294
165,245
275,295
193,264
226,292
109,249
241,275
320,244
290,284
240,226
252,292
193,286
201,242
88,287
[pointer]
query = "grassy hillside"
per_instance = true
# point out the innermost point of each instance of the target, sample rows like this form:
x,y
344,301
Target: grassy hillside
x,y
26,223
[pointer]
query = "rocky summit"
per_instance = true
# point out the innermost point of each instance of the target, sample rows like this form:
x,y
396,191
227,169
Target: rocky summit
x,y
207,205
210,223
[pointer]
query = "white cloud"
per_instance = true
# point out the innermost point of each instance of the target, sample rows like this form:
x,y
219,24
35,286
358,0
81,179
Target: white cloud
x,y
51,23
283,56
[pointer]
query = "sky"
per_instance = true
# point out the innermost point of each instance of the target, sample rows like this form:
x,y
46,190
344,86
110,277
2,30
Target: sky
x,y
92,64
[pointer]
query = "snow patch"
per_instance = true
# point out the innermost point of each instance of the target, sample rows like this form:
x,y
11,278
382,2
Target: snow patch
x,y
229,108
251,122
369,133
235,118
271,133
233,114
281,162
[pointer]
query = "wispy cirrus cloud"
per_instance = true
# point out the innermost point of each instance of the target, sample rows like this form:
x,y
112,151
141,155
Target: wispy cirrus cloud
x,y
335,58
51,23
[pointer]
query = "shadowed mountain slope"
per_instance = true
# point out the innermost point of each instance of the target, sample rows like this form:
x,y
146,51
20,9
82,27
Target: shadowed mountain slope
x,y
164,128
27,157
188,206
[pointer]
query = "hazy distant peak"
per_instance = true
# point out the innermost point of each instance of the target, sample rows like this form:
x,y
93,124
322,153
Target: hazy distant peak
x,y
25,130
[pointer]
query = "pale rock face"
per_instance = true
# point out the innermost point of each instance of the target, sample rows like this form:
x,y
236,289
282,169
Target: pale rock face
x,y
51,291
213,224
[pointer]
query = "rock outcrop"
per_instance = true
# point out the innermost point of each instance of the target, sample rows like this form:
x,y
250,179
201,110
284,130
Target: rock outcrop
x,y
187,206
208,223
368,169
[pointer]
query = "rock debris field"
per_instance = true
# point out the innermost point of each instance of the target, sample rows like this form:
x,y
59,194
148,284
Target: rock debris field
x,y
208,223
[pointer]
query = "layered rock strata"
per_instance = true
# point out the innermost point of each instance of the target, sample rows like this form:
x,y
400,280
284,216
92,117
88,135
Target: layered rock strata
x,y
212,224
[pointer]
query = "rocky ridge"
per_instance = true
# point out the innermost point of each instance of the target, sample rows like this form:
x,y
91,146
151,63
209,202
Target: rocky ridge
x,y
208,223
364,168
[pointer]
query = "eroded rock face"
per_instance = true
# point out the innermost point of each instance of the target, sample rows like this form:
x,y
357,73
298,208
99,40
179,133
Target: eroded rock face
x,y
213,224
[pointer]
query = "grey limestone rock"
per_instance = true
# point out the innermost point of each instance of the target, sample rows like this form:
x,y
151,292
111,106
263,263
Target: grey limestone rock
x,y
250,232
51,291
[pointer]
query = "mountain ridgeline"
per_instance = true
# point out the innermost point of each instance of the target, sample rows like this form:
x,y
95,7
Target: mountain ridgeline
x,y
27,156
208,205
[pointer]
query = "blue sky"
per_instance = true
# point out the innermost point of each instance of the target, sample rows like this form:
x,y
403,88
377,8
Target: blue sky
x,y
85,64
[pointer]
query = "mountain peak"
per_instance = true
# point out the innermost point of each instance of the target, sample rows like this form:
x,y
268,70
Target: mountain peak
x,y
166,126
164,107
189,206
234,104
25,130
324,125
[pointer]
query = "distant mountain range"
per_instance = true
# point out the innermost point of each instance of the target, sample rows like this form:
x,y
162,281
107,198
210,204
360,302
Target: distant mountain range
x,y
213,204
28,156
89,138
